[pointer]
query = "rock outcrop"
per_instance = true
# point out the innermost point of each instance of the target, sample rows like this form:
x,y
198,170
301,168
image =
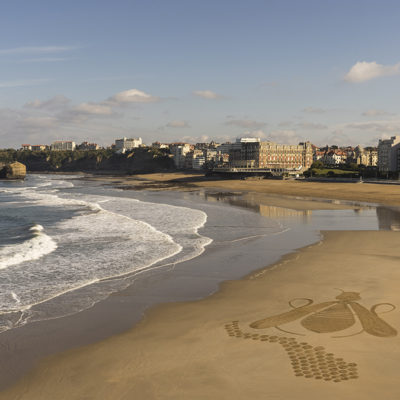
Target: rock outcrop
x,y
14,170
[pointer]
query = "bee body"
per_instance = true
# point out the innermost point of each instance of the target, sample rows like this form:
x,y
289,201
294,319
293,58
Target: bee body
x,y
332,316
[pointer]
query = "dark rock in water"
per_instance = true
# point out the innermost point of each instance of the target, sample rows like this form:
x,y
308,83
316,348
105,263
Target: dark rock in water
x,y
14,170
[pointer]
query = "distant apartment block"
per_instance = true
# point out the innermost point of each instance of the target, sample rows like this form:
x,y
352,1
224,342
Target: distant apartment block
x,y
124,144
179,152
63,145
388,154
224,148
198,162
26,147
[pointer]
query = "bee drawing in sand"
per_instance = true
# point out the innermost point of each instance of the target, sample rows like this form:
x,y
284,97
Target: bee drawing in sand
x,y
332,316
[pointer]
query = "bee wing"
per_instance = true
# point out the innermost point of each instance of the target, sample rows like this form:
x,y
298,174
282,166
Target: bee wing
x,y
371,323
289,316
332,319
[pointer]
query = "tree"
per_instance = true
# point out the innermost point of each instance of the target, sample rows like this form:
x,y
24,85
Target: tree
x,y
317,164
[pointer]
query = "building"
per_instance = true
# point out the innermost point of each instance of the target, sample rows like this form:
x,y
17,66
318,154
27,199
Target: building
x,y
179,152
34,147
388,154
224,148
333,158
40,147
62,145
87,146
124,144
367,157
159,145
198,162
269,155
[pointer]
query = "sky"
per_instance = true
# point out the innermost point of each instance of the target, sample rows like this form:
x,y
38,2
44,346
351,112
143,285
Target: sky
x,y
195,71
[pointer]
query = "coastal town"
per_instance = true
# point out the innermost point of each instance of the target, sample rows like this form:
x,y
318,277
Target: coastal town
x,y
248,155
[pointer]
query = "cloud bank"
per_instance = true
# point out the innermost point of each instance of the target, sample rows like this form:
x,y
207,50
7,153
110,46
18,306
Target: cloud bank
x,y
207,94
364,71
132,96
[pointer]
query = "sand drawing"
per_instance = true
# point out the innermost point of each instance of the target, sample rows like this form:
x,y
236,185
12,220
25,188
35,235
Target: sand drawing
x,y
332,316
327,317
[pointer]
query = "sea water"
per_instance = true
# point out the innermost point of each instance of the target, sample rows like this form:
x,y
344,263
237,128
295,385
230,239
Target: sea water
x,y
56,239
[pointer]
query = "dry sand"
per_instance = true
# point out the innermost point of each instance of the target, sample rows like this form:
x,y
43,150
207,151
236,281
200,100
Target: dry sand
x,y
208,350
200,350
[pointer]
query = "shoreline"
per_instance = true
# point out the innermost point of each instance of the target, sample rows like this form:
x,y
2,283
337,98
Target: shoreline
x,y
202,354
155,315
22,347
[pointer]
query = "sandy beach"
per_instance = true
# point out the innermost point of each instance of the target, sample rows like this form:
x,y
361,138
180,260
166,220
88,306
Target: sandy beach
x,y
387,194
322,322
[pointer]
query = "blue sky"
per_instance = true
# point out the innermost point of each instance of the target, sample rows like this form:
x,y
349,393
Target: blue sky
x,y
324,71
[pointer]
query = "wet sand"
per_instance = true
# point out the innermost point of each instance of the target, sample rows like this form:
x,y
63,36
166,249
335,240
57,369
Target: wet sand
x,y
364,192
207,349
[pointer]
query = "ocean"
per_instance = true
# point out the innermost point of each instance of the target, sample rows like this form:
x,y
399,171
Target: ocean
x,y
57,237
68,243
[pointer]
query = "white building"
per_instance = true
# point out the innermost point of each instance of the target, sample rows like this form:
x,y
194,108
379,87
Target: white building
x,y
388,153
179,152
62,145
124,144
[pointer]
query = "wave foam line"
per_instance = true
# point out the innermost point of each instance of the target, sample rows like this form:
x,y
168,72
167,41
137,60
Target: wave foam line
x,y
32,249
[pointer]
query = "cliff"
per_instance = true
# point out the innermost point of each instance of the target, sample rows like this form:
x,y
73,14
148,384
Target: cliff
x,y
141,160
13,170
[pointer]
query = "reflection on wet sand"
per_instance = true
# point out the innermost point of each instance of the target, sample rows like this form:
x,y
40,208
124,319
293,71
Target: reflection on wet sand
x,y
388,218
274,212
237,199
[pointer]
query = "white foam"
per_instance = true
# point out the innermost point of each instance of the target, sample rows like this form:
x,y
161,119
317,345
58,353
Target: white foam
x,y
32,249
103,244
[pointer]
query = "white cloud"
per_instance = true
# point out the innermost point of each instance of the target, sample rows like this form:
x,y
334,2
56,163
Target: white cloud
x,y
258,133
53,103
336,137
364,71
284,137
177,124
246,123
194,139
37,49
132,96
378,126
93,109
33,123
207,94
375,113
